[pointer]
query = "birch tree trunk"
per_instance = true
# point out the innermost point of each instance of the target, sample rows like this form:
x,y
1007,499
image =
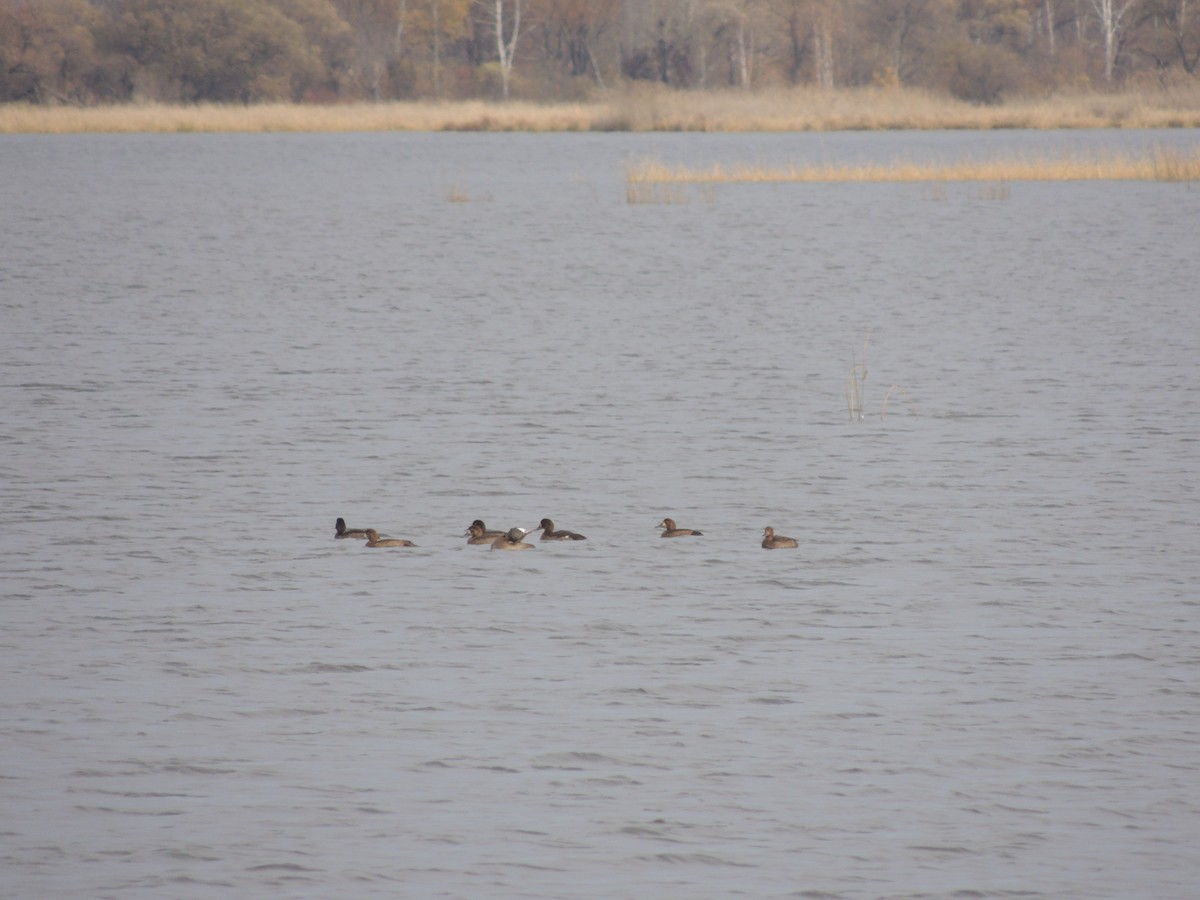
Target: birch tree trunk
x,y
595,65
1110,14
437,48
823,44
743,54
507,50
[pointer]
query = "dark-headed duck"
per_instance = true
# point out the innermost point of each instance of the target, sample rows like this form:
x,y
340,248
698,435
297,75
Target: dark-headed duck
x,y
476,535
670,530
549,534
773,541
341,531
483,529
511,540
374,540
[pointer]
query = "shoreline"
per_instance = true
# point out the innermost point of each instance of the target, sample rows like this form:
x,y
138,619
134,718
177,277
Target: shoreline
x,y
635,109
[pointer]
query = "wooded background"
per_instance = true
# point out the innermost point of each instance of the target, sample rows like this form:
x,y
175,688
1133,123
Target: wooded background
x,y
324,51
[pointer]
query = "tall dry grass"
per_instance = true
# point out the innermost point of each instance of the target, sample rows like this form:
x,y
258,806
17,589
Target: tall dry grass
x,y
291,117
1158,164
640,108
878,109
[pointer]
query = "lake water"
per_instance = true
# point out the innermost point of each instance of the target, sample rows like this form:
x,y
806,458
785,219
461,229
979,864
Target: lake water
x,y
976,677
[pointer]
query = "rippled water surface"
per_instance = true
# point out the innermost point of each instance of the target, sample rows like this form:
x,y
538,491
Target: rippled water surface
x,y
976,677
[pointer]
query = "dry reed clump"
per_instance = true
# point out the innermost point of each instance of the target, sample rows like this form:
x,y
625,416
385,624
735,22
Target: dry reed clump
x,y
639,108
856,388
287,117
669,194
666,194
1171,164
1161,164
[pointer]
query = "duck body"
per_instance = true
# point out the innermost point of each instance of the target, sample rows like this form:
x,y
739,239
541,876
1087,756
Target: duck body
x,y
374,540
670,530
512,540
483,530
476,535
773,541
341,531
549,534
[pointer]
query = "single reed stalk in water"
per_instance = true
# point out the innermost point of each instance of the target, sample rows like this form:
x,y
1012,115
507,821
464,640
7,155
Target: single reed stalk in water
x,y
856,384
1159,164
912,407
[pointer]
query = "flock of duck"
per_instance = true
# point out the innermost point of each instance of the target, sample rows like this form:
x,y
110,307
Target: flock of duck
x,y
514,538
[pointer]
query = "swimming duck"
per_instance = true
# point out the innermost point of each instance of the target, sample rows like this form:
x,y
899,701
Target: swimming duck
x,y
773,541
549,534
669,529
511,540
374,540
477,535
483,529
341,531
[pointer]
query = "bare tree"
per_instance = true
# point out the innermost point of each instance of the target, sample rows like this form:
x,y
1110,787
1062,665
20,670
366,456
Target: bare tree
x,y
903,33
1048,11
666,41
377,26
809,28
1186,36
1176,34
1111,14
747,45
507,49
572,30
428,26
730,28
789,13
822,36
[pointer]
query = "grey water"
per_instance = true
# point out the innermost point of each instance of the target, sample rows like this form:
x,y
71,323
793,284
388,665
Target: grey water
x,y
977,676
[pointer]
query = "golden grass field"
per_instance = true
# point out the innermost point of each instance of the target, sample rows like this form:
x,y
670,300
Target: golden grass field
x,y
638,108
1157,164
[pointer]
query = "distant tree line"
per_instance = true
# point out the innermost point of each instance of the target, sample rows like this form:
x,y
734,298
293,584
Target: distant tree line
x,y
106,51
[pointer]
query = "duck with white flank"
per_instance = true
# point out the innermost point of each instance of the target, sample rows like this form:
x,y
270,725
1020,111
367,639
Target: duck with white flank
x,y
549,534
